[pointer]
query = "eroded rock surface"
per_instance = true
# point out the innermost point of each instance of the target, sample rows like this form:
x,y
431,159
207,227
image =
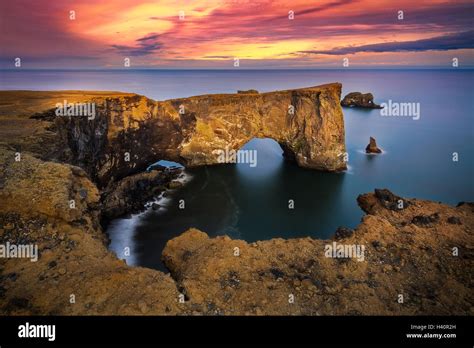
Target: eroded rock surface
x,y
403,255
129,132
130,194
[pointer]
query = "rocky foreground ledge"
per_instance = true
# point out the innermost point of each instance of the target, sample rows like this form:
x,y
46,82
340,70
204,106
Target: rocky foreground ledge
x,y
408,251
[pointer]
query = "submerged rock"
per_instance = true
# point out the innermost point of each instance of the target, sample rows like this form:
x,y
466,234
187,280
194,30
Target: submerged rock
x,y
372,146
360,100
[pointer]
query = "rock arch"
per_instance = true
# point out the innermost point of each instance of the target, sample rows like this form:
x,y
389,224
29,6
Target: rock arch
x,y
307,123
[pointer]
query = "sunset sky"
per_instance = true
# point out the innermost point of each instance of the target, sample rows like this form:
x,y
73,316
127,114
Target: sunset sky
x,y
214,32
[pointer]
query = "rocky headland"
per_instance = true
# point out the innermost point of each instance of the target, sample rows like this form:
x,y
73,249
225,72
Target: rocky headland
x,y
419,249
129,131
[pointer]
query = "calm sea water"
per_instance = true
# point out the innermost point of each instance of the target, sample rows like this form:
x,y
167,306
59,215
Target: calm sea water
x,y
252,203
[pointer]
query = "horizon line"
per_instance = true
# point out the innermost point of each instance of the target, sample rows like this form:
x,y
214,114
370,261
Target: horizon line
x,y
435,67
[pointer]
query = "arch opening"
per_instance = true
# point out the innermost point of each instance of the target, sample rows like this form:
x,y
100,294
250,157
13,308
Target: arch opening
x,y
165,163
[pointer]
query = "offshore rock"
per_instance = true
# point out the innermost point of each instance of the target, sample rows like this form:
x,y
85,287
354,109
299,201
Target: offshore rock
x,y
361,100
372,147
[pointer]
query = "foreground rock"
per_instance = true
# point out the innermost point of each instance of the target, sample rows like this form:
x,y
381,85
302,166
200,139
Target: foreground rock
x,y
401,257
404,254
361,100
308,124
45,201
74,263
372,147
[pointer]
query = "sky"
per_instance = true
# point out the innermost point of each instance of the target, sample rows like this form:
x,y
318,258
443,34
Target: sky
x,y
261,34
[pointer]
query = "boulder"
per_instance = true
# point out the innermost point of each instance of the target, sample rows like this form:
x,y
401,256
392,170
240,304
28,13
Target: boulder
x,y
425,220
343,232
360,100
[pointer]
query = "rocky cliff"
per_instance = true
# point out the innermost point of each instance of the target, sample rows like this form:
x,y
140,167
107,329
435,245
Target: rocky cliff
x,y
408,252
129,132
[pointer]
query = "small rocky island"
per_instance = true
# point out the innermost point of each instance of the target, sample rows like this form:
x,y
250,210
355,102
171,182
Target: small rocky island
x,y
417,248
372,146
360,100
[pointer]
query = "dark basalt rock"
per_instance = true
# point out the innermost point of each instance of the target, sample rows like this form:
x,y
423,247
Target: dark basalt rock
x,y
372,146
361,100
343,232
376,244
277,273
389,200
454,220
129,195
425,220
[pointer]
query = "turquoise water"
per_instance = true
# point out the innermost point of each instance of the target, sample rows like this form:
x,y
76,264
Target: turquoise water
x,y
252,203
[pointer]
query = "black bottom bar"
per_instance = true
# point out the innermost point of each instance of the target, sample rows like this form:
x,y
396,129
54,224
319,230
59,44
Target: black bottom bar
x,y
249,330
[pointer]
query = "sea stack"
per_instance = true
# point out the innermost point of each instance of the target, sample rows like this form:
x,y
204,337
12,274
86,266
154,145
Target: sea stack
x,y
360,100
372,147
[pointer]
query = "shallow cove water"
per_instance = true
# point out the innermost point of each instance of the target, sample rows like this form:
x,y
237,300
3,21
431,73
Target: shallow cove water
x,y
252,203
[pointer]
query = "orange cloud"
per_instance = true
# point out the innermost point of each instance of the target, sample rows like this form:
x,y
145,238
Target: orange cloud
x,y
213,31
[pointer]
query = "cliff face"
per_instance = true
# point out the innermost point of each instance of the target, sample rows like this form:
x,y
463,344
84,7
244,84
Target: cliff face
x,y
130,132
